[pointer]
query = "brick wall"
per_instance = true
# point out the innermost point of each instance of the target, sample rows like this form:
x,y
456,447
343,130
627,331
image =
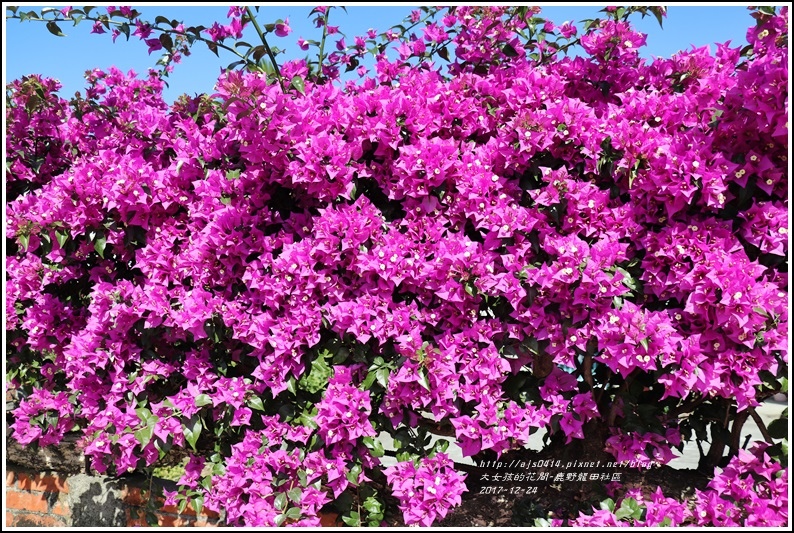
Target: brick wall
x,y
57,500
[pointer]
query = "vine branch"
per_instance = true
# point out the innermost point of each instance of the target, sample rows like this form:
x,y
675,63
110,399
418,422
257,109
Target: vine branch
x,y
761,426
272,57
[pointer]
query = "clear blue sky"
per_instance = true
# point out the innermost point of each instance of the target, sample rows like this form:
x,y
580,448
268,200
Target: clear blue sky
x,y
29,48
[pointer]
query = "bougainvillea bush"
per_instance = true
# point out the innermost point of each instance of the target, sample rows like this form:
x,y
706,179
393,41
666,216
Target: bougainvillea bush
x,y
481,235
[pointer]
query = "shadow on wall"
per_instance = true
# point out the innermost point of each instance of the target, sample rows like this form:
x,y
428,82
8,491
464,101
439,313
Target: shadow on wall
x,y
96,503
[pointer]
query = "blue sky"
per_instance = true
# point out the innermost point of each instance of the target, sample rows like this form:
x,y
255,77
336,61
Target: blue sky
x,y
29,48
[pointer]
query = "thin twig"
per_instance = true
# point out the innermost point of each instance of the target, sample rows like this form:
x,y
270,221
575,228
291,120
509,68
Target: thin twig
x,y
587,367
322,44
761,426
258,29
117,23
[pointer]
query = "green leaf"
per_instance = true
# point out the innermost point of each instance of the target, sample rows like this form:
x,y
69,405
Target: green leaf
x,y
61,237
354,520
292,385
298,84
202,400
192,431
166,41
644,342
368,381
441,446
295,494
162,447
761,311
353,474
623,512
293,513
659,18
778,428
232,174
144,435
99,246
423,381
54,29
24,240
608,505
628,279
509,51
382,375
198,503
280,503
372,505
258,52
629,508
143,414
318,376
255,402
375,446
125,29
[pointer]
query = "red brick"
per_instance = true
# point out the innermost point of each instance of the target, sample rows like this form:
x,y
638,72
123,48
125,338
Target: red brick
x,y
209,514
33,520
329,519
136,522
60,509
136,518
189,511
205,523
9,479
26,501
133,496
169,520
173,509
42,483
9,519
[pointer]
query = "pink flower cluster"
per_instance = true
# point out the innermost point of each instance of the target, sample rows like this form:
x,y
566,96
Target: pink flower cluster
x,y
261,470
343,414
31,424
426,491
751,491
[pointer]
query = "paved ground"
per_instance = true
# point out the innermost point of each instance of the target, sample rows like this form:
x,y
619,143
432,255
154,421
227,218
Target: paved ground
x,y
768,411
